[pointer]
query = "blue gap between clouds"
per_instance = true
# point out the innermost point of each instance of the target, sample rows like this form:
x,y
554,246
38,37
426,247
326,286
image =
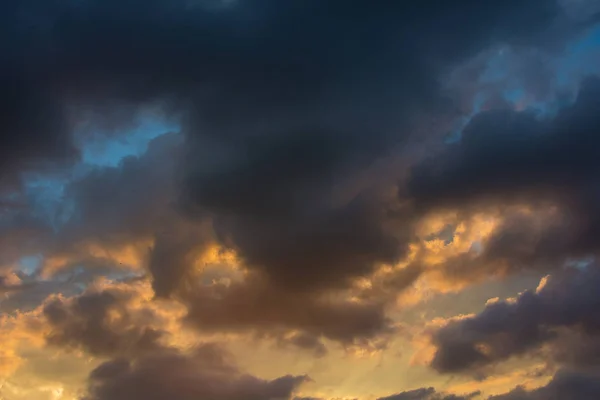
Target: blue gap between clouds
x,y
582,58
45,194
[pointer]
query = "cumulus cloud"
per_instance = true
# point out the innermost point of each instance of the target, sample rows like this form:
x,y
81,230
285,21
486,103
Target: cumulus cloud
x,y
207,372
322,124
428,394
506,156
109,55
282,106
565,301
564,385
107,320
116,212
11,282
255,305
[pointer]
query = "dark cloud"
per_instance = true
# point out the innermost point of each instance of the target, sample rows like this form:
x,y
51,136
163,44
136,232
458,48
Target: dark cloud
x,y
318,246
269,188
277,100
20,233
206,373
33,125
176,248
124,203
385,286
509,157
257,305
428,394
96,214
567,300
516,154
107,216
576,349
304,341
280,102
307,398
564,385
132,204
103,322
61,55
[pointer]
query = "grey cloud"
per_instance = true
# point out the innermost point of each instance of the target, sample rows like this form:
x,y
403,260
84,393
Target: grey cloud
x,y
279,103
305,341
257,305
268,188
576,349
134,202
207,373
109,55
8,285
428,394
507,157
331,108
102,323
125,202
565,385
568,301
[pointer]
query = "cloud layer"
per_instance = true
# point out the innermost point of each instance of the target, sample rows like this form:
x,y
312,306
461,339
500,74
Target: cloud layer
x,y
331,167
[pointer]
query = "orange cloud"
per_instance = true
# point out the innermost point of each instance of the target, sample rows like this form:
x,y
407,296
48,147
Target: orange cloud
x,y
131,256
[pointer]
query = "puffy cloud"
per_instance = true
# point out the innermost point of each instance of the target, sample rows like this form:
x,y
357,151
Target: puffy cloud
x,y
116,212
269,188
322,126
575,349
451,250
255,305
266,189
565,301
20,233
206,373
506,156
282,107
11,282
109,319
108,55
319,246
304,341
428,394
140,227
565,385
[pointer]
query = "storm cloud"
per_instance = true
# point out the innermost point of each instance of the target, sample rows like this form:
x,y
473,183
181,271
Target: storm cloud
x,y
566,300
564,385
506,156
428,394
295,194
105,322
206,373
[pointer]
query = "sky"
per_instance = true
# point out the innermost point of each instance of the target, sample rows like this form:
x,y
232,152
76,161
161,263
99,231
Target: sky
x,y
299,200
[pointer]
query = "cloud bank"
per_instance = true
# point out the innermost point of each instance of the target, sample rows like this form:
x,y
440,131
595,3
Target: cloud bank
x,y
331,167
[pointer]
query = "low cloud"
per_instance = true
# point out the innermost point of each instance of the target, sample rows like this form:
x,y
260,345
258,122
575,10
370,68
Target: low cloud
x,y
255,304
563,305
108,320
428,394
510,157
207,372
564,385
